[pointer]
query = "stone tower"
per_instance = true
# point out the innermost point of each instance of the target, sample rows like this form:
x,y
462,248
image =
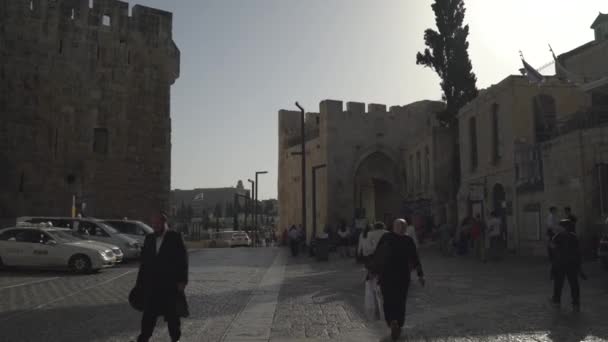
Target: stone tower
x,y
85,107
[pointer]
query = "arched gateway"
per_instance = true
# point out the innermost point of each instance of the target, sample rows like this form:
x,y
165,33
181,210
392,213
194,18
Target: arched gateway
x,y
376,186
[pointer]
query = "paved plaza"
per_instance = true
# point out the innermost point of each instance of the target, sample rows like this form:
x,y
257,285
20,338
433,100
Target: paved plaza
x,y
262,294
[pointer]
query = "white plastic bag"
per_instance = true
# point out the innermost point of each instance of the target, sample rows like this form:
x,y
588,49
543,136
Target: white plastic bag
x,y
370,299
379,300
373,300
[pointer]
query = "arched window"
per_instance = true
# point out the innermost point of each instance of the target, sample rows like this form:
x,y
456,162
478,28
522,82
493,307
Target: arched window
x,y
545,117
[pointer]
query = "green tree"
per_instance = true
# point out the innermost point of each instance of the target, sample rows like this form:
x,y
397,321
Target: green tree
x,y
447,54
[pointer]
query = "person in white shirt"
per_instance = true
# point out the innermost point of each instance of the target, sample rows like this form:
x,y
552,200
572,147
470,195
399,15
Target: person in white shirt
x,y
343,237
493,235
552,225
369,240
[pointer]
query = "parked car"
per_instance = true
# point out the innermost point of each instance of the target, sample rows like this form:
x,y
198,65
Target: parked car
x,y
42,247
240,239
134,229
116,250
92,229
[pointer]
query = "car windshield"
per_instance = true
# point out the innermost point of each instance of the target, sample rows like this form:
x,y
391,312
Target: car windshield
x,y
108,228
63,236
146,228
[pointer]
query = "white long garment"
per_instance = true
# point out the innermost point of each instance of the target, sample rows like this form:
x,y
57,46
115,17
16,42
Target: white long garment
x,y
411,232
367,246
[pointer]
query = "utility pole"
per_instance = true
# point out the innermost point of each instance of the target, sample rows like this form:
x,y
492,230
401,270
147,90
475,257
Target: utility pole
x,y
252,197
255,208
303,151
314,197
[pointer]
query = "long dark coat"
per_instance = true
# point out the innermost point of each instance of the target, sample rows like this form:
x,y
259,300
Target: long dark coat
x,y
159,274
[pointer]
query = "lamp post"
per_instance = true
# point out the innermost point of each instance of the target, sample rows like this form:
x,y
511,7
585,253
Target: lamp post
x,y
255,208
314,197
251,196
303,151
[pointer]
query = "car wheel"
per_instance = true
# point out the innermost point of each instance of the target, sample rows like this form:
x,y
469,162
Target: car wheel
x,y
80,264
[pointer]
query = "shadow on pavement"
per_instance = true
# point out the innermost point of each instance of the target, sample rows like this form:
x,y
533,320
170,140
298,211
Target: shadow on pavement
x,y
501,301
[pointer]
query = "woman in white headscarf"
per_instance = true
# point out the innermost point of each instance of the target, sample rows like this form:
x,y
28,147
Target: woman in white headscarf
x,y
395,258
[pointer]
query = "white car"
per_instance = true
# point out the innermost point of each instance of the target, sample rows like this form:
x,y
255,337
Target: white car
x,y
41,247
240,239
134,229
117,251
92,229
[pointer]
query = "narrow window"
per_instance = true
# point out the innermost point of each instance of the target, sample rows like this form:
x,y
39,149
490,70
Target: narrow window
x,y
100,142
495,135
98,52
21,181
473,142
56,141
545,117
106,20
128,57
427,166
73,14
419,165
412,176
60,46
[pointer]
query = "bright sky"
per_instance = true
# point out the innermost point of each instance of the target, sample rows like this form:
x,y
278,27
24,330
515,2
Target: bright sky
x,y
243,60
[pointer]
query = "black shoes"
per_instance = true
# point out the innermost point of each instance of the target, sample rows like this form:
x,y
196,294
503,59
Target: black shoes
x,y
395,330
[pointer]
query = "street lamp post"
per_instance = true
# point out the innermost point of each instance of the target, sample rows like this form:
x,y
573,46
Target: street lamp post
x,y
255,208
314,197
251,196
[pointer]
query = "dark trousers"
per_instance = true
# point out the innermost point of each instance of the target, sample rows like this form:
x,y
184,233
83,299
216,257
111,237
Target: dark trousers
x,y
295,246
395,300
148,322
559,277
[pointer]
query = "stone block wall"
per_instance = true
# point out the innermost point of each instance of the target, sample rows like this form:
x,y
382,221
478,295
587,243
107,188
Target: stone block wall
x,y
85,107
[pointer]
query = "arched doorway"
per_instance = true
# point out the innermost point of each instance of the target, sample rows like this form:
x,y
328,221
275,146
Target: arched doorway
x,y
377,188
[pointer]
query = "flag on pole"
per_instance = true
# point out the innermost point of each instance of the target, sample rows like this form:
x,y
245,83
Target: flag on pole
x,y
532,74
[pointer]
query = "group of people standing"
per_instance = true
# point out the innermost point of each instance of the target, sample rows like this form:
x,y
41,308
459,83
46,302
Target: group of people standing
x,y
389,255
485,238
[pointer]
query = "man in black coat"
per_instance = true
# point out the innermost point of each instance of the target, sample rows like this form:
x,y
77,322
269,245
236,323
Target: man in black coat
x,y
162,278
567,263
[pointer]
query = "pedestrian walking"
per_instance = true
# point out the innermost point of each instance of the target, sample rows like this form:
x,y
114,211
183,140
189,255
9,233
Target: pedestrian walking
x,y
567,264
162,279
494,237
294,240
368,242
343,240
463,236
445,235
477,238
570,217
393,261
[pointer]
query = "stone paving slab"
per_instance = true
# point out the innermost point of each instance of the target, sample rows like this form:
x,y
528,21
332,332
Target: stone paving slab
x,y
464,300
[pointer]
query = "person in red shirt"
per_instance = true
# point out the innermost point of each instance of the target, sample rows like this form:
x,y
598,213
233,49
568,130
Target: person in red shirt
x,y
476,236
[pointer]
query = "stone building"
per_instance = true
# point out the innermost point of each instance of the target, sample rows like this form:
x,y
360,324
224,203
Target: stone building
x,y
508,118
526,148
371,165
572,165
205,200
85,107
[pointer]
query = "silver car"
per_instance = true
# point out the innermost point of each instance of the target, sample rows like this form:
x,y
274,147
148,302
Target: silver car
x,y
134,229
92,229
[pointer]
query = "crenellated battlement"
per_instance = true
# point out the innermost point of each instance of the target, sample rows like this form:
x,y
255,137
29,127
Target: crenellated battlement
x,y
110,16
